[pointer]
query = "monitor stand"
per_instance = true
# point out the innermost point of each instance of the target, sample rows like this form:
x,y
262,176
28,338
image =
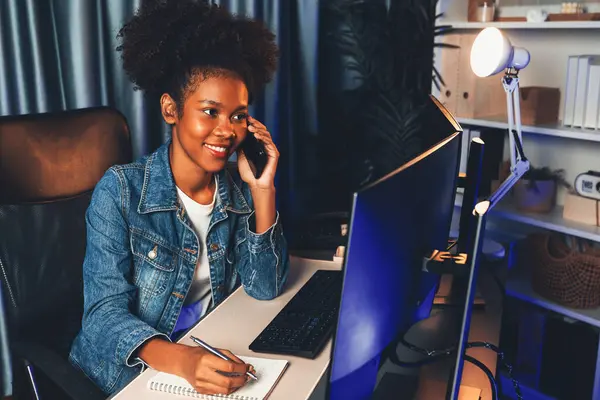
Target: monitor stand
x,y
453,269
471,183
464,270
446,295
431,380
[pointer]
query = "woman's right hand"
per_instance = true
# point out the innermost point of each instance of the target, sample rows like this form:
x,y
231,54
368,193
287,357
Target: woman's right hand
x,y
196,365
209,374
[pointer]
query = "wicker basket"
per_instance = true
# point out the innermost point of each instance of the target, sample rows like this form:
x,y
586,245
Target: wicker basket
x,y
562,274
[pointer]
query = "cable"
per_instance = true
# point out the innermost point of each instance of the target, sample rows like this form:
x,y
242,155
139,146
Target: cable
x,y
435,354
487,371
414,364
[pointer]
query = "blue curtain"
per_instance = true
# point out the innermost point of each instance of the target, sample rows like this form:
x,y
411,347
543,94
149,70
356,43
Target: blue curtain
x,y
288,106
60,55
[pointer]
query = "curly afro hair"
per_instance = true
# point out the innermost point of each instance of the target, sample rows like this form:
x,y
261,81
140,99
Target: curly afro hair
x,y
171,45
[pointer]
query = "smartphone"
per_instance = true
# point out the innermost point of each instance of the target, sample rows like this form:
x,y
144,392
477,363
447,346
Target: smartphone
x,y
255,153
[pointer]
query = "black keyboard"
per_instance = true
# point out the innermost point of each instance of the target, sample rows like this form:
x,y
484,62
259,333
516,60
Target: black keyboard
x,y
306,322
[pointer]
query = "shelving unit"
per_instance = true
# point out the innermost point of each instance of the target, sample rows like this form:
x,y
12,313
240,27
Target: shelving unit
x,y
574,150
552,221
520,288
592,135
526,25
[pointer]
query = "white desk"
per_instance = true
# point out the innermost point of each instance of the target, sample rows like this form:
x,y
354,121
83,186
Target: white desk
x,y
239,319
236,322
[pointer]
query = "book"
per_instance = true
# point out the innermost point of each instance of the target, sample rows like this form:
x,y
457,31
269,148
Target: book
x,y
593,98
570,87
268,372
581,90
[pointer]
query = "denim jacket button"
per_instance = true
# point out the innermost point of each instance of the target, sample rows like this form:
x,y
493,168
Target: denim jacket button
x,y
214,247
152,254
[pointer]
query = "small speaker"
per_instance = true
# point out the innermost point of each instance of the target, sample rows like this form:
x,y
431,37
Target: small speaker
x,y
588,185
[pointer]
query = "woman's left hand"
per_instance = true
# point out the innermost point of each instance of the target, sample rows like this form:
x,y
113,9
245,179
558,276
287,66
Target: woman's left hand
x,y
266,180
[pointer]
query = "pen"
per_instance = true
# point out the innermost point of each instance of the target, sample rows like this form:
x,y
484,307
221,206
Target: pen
x,y
218,353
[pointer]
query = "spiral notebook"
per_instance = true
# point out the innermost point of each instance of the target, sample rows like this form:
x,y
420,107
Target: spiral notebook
x,y
268,372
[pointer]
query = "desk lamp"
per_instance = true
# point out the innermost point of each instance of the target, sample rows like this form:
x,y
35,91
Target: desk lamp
x,y
492,53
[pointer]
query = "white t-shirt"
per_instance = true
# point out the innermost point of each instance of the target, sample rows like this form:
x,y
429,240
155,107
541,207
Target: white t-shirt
x,y
199,215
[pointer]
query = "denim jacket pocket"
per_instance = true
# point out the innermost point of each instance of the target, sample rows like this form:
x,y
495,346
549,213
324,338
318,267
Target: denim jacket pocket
x,y
154,263
93,365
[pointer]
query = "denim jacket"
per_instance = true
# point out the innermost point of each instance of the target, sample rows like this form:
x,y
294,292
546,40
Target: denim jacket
x,y
140,260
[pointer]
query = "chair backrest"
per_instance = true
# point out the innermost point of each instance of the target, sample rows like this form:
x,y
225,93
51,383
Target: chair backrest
x,y
49,166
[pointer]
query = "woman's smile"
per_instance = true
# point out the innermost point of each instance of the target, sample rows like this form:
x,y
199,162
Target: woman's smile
x,y
218,151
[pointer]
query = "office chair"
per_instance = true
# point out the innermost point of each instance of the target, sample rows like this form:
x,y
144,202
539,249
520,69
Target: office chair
x,y
49,165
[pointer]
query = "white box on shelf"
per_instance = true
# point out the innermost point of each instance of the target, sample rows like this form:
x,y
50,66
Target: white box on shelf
x,y
581,209
592,111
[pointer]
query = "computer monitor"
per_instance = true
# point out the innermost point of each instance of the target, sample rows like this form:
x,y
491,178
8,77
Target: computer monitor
x,y
395,222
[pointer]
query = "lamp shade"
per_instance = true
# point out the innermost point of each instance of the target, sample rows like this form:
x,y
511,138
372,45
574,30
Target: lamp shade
x,y
492,52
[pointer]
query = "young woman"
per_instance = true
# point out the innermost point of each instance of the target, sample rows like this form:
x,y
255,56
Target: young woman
x,y
173,234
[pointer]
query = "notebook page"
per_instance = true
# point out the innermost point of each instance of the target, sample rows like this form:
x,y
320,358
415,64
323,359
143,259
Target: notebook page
x,y
268,372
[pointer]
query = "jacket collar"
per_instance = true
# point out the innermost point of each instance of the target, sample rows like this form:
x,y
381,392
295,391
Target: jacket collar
x,y
159,192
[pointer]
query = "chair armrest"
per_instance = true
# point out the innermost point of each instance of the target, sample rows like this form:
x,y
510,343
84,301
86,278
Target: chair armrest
x,y
60,371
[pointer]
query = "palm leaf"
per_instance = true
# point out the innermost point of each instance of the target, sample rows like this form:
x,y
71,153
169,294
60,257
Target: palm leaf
x,y
389,53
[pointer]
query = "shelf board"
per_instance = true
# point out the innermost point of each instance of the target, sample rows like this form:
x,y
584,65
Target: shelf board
x,y
524,25
520,288
555,130
552,221
528,391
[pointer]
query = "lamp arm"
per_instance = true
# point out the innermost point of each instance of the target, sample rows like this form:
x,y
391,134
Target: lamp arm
x,y
519,164
509,88
517,173
510,82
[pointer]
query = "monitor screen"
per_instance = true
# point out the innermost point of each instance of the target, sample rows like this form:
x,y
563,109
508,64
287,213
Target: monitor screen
x,y
395,222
